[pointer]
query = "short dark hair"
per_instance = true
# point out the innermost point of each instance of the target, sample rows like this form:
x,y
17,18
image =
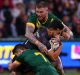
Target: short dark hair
x,y
19,46
56,24
41,3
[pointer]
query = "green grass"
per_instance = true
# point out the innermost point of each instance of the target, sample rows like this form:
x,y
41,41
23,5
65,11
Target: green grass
x,y
72,74
6,73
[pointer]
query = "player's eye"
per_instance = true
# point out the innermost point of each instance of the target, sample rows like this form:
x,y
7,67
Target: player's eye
x,y
41,11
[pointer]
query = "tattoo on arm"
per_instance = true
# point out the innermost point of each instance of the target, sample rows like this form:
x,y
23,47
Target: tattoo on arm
x,y
31,37
29,33
33,40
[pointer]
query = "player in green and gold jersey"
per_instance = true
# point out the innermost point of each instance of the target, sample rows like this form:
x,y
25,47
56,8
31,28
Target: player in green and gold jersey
x,y
37,61
36,20
43,18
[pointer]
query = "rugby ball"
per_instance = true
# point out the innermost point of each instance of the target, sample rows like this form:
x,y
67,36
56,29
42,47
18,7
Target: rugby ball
x,y
54,44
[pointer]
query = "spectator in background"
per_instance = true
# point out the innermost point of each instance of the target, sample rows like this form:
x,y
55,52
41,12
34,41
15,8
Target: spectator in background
x,y
1,4
20,17
58,8
6,16
77,28
78,10
31,7
3,33
50,6
70,7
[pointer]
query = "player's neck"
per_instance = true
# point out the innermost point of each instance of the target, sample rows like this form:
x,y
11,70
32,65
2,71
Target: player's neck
x,y
44,19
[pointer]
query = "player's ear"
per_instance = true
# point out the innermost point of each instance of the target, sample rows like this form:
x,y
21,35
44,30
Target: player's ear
x,y
16,54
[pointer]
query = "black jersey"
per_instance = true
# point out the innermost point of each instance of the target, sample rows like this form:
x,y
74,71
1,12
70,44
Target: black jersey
x,y
42,35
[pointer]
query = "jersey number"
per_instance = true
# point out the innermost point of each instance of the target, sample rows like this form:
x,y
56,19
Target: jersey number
x,y
38,53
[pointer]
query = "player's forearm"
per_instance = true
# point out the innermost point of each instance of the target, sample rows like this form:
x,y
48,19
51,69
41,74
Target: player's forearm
x,y
10,67
31,37
57,52
67,33
54,55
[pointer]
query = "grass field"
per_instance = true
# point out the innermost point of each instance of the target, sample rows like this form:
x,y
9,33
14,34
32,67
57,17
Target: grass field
x,y
70,73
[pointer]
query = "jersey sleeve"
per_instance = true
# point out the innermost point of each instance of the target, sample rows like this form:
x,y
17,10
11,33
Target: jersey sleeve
x,y
31,20
19,58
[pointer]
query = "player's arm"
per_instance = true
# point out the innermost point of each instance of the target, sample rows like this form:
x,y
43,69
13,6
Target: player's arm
x,y
30,27
66,33
13,73
54,55
13,65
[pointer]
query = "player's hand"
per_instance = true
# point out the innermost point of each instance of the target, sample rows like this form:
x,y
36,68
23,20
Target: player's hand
x,y
55,43
57,38
65,35
43,48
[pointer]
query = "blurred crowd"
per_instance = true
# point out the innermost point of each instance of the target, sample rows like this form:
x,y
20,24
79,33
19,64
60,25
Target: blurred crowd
x,y
14,15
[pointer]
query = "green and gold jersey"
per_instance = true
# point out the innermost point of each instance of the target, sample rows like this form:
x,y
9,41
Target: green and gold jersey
x,y
33,20
34,58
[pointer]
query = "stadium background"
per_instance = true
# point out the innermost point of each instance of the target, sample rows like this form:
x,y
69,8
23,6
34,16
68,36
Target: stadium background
x,y
14,15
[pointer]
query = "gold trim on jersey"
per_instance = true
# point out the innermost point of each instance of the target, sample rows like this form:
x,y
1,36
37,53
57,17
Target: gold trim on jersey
x,y
17,62
30,24
52,20
45,20
38,24
63,24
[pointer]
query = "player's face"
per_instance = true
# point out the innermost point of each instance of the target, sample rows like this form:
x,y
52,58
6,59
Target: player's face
x,y
53,33
18,52
41,12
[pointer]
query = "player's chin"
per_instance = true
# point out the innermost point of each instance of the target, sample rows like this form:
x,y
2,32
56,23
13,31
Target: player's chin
x,y
40,18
